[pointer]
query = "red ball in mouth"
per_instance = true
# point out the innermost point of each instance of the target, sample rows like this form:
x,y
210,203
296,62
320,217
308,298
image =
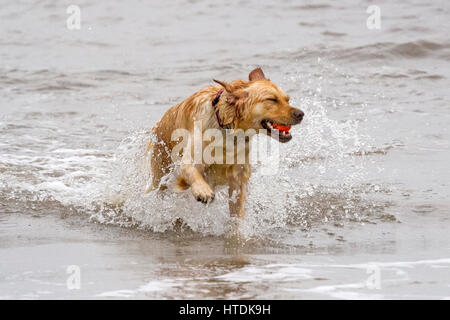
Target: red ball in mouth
x,y
280,127
278,131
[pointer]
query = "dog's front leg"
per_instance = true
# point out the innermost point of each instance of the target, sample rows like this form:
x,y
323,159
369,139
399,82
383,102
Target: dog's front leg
x,y
193,176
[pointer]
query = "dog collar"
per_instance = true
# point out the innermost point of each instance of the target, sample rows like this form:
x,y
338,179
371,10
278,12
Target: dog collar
x,y
214,104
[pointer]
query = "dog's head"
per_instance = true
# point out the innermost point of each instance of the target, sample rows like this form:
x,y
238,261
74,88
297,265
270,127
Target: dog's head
x,y
260,104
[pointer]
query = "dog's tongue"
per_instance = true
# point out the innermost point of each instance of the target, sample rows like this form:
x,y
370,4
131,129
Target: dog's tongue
x,y
281,128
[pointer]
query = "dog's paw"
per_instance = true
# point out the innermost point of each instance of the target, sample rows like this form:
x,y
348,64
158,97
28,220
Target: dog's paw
x,y
202,192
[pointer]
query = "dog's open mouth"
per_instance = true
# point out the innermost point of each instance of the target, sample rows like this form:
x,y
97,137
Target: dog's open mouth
x,y
276,130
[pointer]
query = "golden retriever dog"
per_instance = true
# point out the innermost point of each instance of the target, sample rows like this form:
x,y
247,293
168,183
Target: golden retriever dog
x,y
254,106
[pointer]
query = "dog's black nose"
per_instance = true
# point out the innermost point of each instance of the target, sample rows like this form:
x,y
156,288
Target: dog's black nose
x,y
298,115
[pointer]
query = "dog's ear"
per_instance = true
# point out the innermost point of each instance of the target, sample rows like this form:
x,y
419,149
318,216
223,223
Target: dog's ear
x,y
257,74
225,85
236,98
234,94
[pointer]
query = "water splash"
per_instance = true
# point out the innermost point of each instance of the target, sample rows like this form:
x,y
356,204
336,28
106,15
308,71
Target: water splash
x,y
320,179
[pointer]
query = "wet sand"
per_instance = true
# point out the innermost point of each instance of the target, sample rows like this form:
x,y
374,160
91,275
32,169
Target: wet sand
x,y
122,263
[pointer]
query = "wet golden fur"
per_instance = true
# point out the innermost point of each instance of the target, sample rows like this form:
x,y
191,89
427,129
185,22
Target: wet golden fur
x,y
242,105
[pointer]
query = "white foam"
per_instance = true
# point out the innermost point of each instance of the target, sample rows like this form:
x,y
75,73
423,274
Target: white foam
x,y
154,286
116,294
269,272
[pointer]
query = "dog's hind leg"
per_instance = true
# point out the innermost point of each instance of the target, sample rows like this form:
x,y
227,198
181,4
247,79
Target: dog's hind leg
x,y
236,202
238,176
159,164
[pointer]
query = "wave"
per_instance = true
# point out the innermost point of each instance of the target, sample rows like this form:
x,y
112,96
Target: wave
x,y
388,50
417,49
51,81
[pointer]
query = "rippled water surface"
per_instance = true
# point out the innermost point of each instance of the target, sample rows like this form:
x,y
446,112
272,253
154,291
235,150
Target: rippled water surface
x,y
360,205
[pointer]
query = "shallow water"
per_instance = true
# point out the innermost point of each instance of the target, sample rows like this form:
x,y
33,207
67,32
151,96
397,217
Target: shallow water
x,y
358,209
